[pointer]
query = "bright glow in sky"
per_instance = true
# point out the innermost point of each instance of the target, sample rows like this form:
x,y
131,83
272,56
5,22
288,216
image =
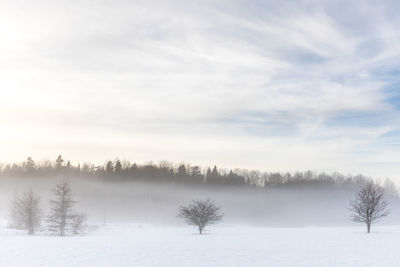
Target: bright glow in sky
x,y
271,85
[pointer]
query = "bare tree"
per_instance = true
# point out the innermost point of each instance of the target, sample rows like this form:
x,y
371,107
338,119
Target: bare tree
x,y
15,221
25,212
369,205
61,214
79,223
201,213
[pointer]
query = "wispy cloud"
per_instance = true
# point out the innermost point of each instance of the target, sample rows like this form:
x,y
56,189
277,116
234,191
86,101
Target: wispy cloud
x,y
278,86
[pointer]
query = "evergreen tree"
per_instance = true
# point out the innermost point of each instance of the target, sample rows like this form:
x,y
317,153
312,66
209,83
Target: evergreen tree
x,y
213,176
59,162
195,174
109,167
118,167
182,173
29,165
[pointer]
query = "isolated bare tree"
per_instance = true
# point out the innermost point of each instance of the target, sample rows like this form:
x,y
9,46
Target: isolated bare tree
x,y
369,205
79,223
201,213
61,214
25,212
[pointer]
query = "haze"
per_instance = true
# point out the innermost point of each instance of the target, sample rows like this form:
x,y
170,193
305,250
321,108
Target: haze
x,y
199,133
277,87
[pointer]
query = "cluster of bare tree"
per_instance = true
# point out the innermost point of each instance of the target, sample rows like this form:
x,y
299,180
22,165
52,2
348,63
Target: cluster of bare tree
x,y
368,207
185,173
26,213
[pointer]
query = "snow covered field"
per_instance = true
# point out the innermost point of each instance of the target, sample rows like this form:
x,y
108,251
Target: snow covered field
x,y
146,245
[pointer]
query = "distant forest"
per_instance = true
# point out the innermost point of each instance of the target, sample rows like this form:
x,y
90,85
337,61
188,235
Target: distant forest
x,y
122,170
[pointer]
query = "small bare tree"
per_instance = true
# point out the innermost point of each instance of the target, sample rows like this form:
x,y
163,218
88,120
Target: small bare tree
x,y
369,205
201,213
79,223
25,212
61,214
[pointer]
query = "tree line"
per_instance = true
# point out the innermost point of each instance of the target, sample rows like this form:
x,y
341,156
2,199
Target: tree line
x,y
118,170
368,207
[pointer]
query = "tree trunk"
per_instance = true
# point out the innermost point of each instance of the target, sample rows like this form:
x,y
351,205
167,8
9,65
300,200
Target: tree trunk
x,y
200,229
368,227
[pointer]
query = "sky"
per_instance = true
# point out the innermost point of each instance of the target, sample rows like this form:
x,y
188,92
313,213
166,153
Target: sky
x,y
268,85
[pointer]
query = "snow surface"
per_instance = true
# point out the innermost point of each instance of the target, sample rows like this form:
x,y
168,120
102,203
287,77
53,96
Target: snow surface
x,y
147,245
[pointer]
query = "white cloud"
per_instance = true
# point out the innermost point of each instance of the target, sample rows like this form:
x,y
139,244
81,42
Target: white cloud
x,y
267,86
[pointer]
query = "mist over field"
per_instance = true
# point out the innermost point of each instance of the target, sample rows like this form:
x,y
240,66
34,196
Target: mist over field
x,y
152,202
199,133
152,193
269,218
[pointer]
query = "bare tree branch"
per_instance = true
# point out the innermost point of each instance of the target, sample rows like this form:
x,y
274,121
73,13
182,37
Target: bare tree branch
x,y
79,224
61,214
369,206
26,213
201,213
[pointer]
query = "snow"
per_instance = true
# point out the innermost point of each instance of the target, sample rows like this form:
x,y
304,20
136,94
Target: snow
x,y
149,245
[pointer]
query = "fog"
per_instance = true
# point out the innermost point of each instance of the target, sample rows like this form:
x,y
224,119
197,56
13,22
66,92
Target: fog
x,y
157,202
